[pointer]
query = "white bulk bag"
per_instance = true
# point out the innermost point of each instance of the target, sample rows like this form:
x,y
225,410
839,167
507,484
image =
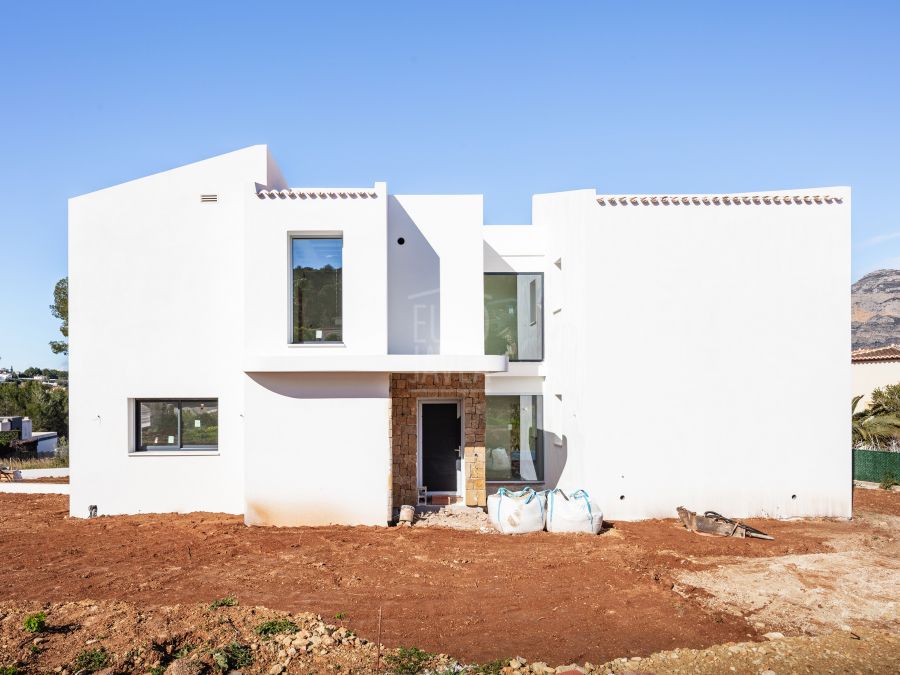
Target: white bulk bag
x,y
572,513
517,512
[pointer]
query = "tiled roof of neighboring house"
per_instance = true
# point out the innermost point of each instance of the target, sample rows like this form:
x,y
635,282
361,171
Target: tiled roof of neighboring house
x,y
325,193
888,353
715,200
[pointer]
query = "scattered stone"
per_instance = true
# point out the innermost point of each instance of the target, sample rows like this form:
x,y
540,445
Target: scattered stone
x,y
774,635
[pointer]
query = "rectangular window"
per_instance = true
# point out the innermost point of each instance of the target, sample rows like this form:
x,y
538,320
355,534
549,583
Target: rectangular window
x,y
514,315
514,438
316,292
176,424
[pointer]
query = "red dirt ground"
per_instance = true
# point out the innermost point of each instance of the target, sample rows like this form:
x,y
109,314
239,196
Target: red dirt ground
x,y
555,598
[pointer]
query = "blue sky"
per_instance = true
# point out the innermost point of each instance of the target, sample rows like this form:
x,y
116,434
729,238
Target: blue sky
x,y
500,98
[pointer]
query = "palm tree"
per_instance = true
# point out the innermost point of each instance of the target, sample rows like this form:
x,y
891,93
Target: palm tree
x,y
875,425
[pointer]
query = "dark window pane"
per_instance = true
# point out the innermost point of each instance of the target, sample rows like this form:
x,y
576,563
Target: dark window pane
x,y
316,289
514,438
199,423
514,316
158,425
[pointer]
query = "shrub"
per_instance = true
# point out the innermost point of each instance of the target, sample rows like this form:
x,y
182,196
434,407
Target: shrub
x,y
408,660
491,668
276,626
184,650
35,623
889,481
232,657
91,660
9,670
227,601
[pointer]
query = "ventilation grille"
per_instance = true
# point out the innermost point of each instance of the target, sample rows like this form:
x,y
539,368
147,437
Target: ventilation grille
x,y
209,198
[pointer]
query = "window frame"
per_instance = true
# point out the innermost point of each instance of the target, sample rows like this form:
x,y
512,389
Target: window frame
x,y
541,432
179,447
542,313
292,236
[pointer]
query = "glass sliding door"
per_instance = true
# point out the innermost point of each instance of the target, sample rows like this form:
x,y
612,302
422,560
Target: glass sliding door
x,y
514,315
514,438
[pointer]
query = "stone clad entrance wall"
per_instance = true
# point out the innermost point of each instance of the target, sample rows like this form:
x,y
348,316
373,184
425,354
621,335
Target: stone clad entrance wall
x,y
406,391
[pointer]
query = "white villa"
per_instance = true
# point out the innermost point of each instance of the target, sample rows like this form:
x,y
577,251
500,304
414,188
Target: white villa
x,y
314,355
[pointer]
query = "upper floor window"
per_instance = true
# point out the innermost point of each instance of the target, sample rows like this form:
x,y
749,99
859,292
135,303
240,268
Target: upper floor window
x,y
316,291
514,315
176,424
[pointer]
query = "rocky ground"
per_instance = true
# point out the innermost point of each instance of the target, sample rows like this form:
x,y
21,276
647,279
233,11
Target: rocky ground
x,y
642,597
119,637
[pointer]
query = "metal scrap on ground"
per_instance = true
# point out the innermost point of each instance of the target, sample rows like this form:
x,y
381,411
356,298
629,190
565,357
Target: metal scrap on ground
x,y
715,524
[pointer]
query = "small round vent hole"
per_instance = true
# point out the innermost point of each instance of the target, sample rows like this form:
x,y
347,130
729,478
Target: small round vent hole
x,y
621,496
401,241
793,496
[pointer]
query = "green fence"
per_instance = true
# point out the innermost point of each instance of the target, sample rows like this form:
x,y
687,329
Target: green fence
x,y
872,465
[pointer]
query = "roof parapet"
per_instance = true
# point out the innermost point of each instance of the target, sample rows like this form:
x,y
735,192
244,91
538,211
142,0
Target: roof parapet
x,y
319,193
717,200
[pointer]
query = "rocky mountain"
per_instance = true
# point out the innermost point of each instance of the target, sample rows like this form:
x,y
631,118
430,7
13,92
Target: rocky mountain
x,y
875,309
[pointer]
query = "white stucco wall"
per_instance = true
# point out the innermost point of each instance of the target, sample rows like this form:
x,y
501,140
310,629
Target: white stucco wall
x,y
156,310
270,224
867,377
684,331
317,449
443,244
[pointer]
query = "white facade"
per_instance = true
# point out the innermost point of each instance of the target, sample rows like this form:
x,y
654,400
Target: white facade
x,y
671,337
871,375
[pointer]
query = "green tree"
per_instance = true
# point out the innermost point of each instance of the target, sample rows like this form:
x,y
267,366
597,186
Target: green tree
x,y
874,426
887,398
60,310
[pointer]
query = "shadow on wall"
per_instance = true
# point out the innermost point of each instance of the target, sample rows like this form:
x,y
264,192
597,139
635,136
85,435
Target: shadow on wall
x,y
414,286
556,454
324,385
493,262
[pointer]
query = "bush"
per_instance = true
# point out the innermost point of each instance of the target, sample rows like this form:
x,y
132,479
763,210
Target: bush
x,y
35,623
91,660
408,660
276,626
889,481
232,657
9,670
227,601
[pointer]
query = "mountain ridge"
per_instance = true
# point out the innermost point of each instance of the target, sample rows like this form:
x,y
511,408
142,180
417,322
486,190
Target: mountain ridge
x,y
875,309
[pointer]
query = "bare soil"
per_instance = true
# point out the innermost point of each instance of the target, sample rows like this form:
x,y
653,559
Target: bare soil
x,y
55,480
546,597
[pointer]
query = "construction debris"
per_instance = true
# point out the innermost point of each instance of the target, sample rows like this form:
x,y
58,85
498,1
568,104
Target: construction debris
x,y
717,525
455,517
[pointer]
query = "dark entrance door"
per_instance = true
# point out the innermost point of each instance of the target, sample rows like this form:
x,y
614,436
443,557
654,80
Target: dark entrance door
x,y
440,446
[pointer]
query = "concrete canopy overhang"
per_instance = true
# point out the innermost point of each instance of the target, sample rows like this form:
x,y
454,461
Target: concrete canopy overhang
x,y
376,363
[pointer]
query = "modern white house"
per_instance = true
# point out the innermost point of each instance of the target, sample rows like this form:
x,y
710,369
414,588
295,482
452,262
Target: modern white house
x,y
315,355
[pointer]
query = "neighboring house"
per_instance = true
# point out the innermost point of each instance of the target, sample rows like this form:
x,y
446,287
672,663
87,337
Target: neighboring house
x,y
44,442
874,368
321,354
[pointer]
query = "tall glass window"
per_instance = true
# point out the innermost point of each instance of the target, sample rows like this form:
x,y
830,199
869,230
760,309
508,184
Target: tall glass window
x,y
514,315
514,438
317,295
177,425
